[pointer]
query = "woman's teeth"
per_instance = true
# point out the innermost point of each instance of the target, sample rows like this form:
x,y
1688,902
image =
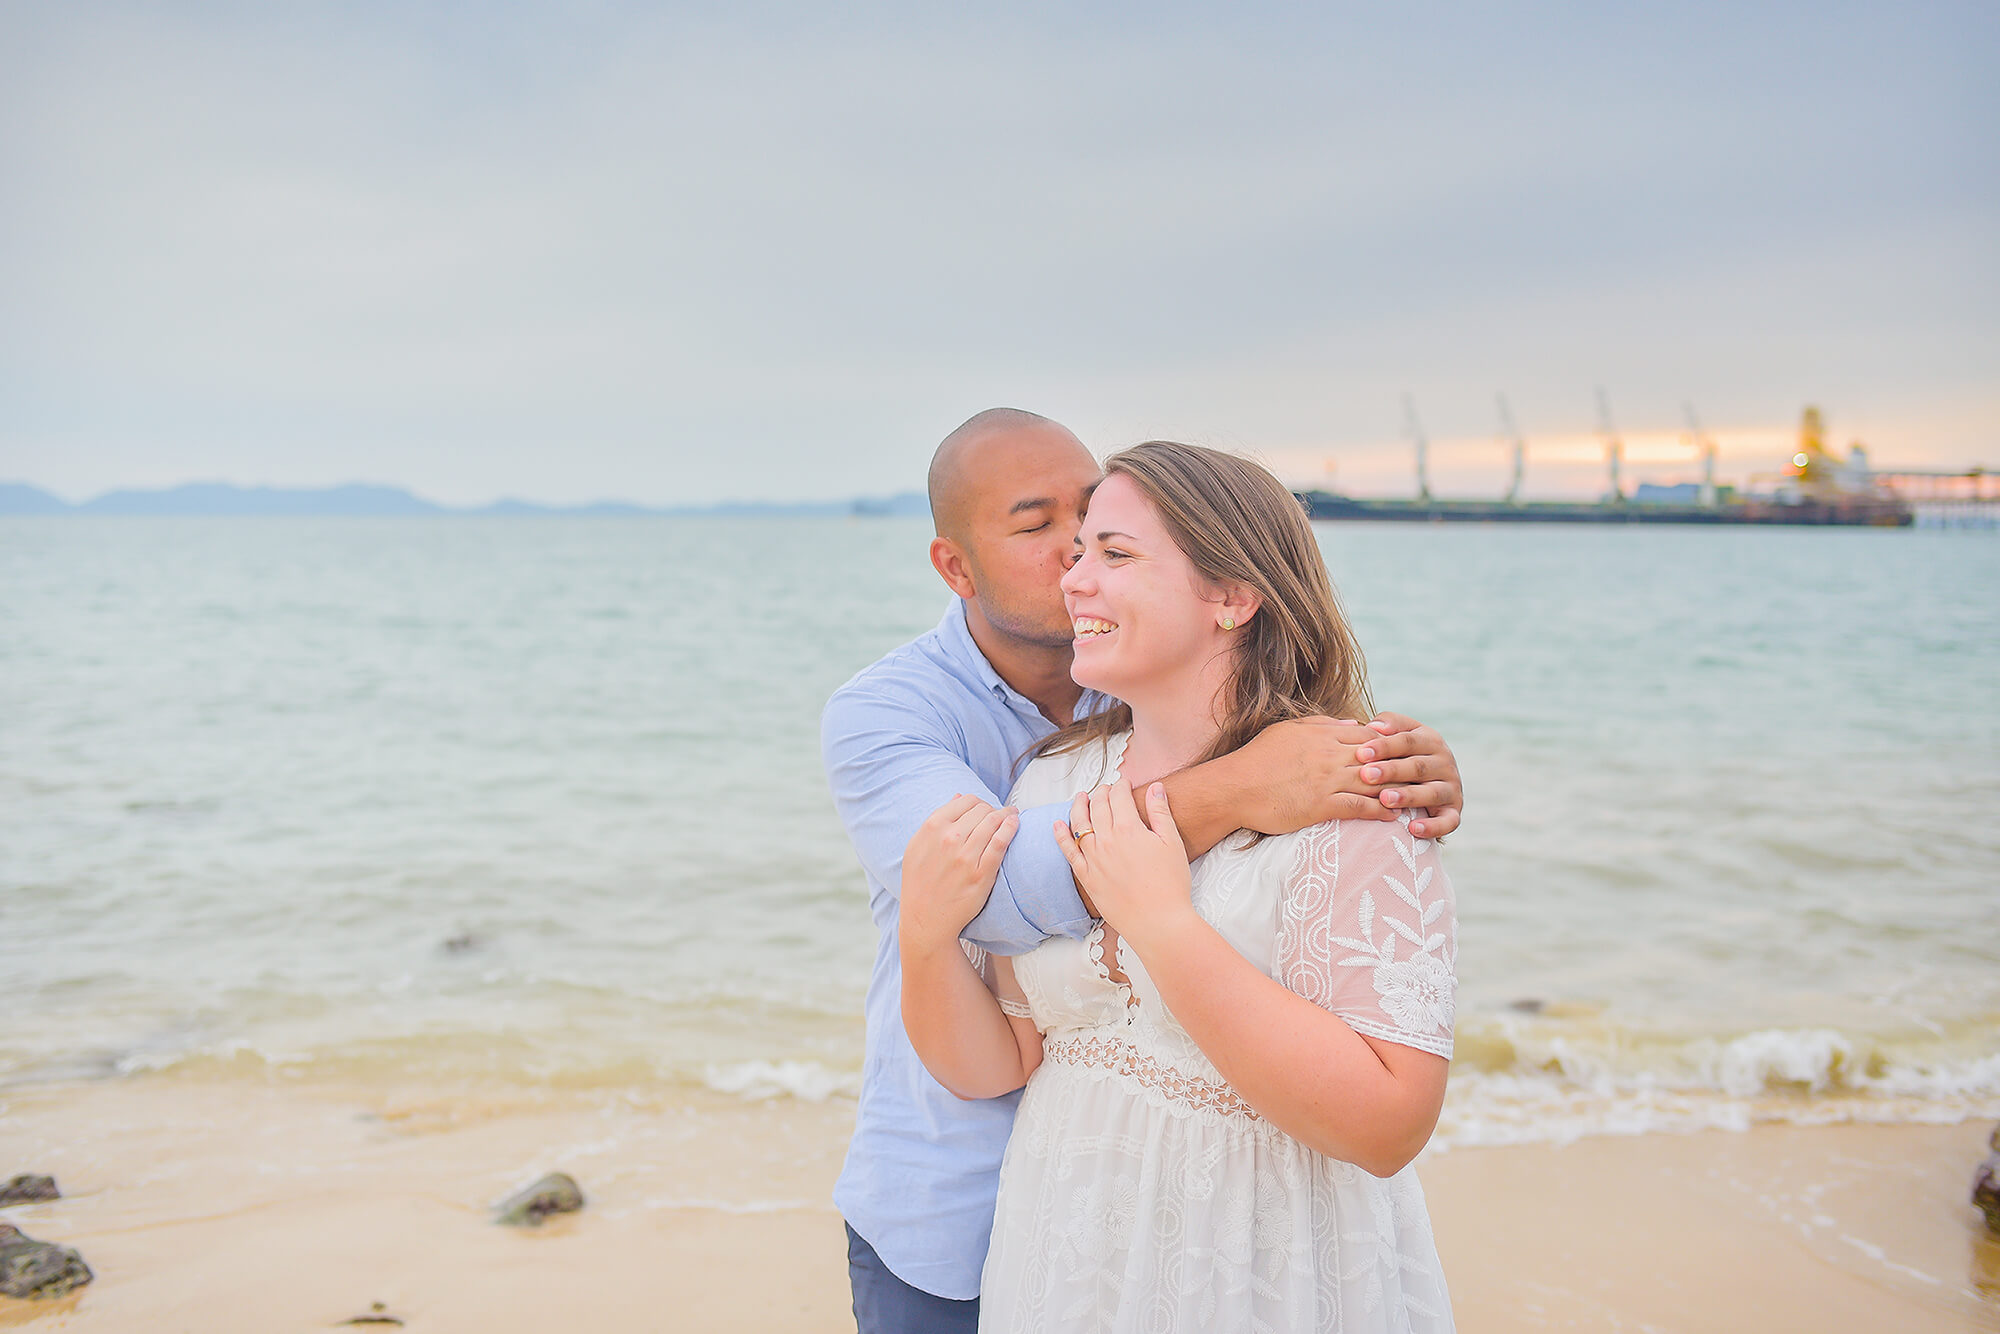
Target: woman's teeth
x,y
1089,626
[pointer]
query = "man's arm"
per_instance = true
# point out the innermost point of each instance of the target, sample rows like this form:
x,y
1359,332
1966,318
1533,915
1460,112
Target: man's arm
x,y
890,762
1292,775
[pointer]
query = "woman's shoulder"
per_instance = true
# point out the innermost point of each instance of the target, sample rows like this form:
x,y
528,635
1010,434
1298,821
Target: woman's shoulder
x,y
1058,777
1326,843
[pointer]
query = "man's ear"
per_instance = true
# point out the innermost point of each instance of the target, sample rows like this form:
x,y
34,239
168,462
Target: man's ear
x,y
1239,603
952,566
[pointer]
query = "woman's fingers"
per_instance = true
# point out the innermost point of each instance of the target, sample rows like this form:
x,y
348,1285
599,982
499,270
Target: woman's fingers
x,y
1159,816
970,819
1072,853
1101,818
950,812
982,831
1124,812
1079,816
1002,834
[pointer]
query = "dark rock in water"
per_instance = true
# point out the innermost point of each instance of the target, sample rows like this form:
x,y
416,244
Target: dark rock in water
x,y
38,1270
461,943
1528,1005
25,1189
378,1314
555,1193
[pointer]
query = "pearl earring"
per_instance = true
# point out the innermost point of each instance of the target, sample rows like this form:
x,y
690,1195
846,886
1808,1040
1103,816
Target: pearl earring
x,y
1229,623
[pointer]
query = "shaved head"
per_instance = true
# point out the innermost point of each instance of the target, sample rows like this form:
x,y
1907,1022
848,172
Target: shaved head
x,y
956,465
1008,490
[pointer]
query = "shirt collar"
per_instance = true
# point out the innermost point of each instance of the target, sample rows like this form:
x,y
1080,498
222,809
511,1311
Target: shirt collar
x,y
958,641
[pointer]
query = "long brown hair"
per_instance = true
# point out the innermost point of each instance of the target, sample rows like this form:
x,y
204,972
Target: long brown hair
x,y
1236,523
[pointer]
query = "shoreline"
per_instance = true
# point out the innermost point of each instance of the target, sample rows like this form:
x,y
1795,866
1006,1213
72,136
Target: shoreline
x,y
233,1205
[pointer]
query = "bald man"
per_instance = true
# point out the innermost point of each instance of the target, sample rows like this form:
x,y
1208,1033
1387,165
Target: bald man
x,y
951,712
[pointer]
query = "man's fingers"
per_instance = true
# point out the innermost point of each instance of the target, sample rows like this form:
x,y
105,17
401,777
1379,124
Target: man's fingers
x,y
1343,731
1402,773
1435,796
1356,806
1399,745
1435,825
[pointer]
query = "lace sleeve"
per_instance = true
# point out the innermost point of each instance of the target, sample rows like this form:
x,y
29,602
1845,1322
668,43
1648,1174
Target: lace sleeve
x,y
1368,931
997,971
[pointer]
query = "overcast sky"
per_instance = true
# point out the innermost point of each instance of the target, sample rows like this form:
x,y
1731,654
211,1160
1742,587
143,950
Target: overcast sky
x,y
575,251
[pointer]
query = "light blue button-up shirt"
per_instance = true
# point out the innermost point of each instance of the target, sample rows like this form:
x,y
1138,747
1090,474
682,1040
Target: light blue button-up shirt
x,y
928,721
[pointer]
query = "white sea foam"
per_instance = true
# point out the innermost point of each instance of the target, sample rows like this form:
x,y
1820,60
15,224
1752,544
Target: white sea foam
x,y
1565,1089
760,1080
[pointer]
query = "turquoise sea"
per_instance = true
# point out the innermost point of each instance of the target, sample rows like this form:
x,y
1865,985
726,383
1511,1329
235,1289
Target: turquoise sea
x,y
536,804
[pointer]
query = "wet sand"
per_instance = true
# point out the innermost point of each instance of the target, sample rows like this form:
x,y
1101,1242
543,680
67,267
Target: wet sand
x,y
223,1205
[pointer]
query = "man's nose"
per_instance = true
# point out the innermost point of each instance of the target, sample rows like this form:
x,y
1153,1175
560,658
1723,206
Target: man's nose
x,y
1073,575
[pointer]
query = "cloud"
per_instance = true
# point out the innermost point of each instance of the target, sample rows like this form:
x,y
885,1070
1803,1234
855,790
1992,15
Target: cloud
x,y
643,252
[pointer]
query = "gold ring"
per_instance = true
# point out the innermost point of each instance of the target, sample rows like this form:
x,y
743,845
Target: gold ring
x,y
1081,834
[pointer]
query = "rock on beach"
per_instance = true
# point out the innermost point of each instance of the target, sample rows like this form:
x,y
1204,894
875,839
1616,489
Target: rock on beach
x,y
556,1193
29,1189
38,1270
1986,1185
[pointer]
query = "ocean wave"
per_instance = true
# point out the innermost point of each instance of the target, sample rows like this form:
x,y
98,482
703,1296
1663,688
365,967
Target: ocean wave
x,y
1548,1077
762,1080
1543,1086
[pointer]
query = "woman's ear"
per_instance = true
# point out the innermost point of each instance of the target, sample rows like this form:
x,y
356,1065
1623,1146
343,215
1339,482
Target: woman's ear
x,y
1239,603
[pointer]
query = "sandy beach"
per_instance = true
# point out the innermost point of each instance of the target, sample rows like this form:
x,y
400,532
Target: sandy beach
x,y
225,1205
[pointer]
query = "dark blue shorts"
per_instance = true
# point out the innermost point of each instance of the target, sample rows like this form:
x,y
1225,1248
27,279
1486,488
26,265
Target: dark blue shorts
x,y
884,1304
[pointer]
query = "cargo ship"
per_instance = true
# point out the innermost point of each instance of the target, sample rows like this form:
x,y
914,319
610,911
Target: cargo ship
x,y
1817,488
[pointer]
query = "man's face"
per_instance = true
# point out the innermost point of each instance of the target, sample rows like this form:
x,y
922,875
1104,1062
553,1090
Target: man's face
x,y
1026,507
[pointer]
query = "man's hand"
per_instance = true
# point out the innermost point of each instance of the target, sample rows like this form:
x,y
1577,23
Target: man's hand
x,y
1416,769
949,868
1310,770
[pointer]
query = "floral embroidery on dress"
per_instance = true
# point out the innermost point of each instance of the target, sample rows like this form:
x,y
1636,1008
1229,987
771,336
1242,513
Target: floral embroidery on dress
x,y
1141,1191
1407,940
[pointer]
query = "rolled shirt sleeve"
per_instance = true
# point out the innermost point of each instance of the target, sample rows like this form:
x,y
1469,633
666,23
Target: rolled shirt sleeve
x,y
891,759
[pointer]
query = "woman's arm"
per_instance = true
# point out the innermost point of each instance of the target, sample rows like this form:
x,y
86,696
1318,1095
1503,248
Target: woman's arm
x,y
955,1023
1363,1098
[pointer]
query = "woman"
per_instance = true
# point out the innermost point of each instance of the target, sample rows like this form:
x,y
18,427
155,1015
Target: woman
x,y
1227,1080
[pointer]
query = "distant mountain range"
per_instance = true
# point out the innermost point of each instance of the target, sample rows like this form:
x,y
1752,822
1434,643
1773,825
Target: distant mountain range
x,y
225,499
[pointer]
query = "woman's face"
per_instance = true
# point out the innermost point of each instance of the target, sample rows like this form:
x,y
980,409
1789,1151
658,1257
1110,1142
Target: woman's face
x,y
1140,613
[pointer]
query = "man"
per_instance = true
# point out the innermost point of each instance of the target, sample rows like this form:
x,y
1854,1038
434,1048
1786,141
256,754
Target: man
x,y
950,713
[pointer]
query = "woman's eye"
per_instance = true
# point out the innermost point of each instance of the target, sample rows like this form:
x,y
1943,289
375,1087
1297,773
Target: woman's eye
x,y
1113,553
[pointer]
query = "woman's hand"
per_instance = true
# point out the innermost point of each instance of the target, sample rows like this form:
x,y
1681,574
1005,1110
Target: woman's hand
x,y
1136,875
949,867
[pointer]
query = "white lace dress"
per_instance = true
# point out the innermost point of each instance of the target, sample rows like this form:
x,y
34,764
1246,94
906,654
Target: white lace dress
x,y
1139,1191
